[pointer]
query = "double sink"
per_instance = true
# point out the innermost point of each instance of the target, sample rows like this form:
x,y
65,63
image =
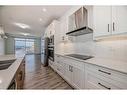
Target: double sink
x,y
6,64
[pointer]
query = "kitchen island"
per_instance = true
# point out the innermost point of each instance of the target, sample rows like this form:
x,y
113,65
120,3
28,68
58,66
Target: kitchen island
x,y
14,73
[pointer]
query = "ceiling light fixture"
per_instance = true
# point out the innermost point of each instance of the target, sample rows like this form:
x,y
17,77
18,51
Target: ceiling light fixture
x,y
22,25
25,34
44,9
40,19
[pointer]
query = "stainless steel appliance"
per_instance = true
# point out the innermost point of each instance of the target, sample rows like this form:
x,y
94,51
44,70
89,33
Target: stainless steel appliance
x,y
51,53
51,48
78,23
51,40
44,51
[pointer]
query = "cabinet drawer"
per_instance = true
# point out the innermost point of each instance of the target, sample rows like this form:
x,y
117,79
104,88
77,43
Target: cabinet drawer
x,y
120,78
75,63
94,81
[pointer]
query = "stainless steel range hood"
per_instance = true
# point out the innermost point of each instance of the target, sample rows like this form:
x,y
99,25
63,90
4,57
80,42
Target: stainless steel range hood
x,y
78,23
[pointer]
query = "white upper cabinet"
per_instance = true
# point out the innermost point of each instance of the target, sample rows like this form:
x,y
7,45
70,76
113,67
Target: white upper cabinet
x,y
108,20
119,19
101,20
63,30
51,29
46,34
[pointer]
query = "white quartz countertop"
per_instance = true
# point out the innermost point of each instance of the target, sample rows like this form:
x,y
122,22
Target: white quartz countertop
x,y
7,75
117,65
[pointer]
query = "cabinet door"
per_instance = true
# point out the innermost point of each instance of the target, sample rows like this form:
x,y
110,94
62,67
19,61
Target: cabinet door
x,y
47,34
60,69
51,30
20,74
101,20
63,29
119,19
90,81
68,74
78,78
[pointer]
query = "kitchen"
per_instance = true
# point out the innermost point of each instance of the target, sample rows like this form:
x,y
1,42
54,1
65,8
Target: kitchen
x,y
84,47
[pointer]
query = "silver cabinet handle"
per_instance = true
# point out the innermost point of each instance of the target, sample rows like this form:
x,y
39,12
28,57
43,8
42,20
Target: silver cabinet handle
x,y
113,26
108,27
104,72
104,86
69,68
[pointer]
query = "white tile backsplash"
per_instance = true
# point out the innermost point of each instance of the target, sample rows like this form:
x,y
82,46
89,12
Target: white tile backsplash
x,y
84,44
106,49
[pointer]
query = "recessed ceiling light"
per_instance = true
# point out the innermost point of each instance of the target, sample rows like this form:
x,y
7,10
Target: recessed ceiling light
x,y
22,25
40,19
44,9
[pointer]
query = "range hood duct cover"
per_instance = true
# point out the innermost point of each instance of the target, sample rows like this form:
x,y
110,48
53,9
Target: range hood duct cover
x,y
78,23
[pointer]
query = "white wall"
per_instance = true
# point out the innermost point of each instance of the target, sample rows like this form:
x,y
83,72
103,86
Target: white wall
x,y
113,49
1,46
10,45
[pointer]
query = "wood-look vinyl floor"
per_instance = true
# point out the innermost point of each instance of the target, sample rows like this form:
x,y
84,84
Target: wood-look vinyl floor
x,y
39,77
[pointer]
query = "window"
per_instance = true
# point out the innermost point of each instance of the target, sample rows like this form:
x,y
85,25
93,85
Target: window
x,y
24,46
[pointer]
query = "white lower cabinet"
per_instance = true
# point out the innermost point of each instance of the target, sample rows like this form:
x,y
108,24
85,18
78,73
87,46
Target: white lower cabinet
x,y
60,69
81,75
68,74
78,78
94,81
52,64
73,74
97,77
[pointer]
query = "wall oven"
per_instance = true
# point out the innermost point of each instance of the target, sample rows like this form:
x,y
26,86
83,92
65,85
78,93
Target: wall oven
x,y
51,53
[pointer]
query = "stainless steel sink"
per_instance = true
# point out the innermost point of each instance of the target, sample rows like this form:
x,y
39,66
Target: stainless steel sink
x,y
5,64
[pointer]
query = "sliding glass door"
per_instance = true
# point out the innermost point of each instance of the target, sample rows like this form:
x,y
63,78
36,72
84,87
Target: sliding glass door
x,y
24,46
29,46
20,46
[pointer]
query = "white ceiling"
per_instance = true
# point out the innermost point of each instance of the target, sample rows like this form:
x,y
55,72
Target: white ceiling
x,y
29,15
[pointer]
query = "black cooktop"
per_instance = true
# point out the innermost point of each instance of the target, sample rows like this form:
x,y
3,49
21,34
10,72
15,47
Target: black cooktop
x,y
78,56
